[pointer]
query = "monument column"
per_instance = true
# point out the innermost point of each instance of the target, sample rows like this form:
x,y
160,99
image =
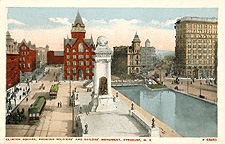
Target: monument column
x,y
109,77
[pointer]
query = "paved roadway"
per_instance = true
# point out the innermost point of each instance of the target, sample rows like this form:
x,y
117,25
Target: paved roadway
x,y
57,121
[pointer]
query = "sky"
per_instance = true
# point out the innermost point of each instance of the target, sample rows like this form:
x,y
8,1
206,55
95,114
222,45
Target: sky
x,y
50,26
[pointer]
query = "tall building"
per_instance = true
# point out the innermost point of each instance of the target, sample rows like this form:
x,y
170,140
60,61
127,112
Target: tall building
x,y
134,56
12,62
78,53
196,46
55,57
148,57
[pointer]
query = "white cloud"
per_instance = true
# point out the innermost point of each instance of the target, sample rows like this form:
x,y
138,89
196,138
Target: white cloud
x,y
60,20
118,32
13,21
165,24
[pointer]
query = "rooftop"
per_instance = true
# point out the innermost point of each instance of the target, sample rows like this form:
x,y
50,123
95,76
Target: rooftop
x,y
197,19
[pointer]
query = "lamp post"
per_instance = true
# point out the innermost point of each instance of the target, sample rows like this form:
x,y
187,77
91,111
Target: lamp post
x,y
200,89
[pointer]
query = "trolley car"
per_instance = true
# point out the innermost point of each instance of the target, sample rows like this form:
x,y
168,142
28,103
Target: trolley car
x,y
54,90
36,109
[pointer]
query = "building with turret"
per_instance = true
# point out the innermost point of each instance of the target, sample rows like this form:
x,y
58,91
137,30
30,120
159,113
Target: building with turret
x,y
148,57
78,53
134,56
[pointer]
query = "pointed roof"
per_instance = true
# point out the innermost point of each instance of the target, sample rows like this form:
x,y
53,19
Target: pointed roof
x,y
136,38
78,20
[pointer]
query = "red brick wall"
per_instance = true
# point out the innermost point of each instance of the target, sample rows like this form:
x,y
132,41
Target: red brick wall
x,y
12,70
77,66
27,56
51,59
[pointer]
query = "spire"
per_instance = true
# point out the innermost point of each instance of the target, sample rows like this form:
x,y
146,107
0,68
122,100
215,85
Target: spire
x,y
91,42
78,20
136,38
8,36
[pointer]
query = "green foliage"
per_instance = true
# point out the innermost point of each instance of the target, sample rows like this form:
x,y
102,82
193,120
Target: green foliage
x,y
170,57
154,86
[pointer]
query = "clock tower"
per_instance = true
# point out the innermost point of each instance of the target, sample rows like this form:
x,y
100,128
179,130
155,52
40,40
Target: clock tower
x,y
78,28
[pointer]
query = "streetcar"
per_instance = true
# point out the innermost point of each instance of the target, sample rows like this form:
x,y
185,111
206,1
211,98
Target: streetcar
x,y
35,110
53,91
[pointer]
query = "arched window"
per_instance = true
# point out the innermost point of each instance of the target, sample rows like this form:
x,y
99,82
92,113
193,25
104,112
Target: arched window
x,y
67,50
80,47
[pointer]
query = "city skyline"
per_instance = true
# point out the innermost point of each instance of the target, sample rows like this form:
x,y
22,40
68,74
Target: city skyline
x,y
50,25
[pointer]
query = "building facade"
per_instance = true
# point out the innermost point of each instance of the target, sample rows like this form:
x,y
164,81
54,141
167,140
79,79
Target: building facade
x,y
196,46
78,53
12,62
42,56
55,57
27,56
134,56
148,57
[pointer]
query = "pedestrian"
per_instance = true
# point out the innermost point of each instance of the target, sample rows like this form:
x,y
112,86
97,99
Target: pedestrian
x,y
117,93
26,99
86,128
114,98
153,122
132,105
58,104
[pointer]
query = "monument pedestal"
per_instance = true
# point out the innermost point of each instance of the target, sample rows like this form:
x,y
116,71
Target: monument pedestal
x,y
105,103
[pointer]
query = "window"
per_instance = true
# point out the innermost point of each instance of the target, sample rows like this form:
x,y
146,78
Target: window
x,y
27,53
25,48
67,63
87,50
200,61
92,56
20,66
80,56
74,77
87,56
67,70
80,47
67,56
68,77
81,63
74,70
92,62
23,59
74,51
23,65
92,69
21,53
87,63
74,56
205,61
67,50
24,53
20,59
28,65
87,70
74,63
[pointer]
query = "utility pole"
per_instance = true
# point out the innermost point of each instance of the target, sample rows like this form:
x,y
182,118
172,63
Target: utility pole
x,y
73,130
200,88
187,83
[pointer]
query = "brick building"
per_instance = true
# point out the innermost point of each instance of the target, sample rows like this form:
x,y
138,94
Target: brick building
x,y
27,56
78,53
196,47
12,62
55,57
12,70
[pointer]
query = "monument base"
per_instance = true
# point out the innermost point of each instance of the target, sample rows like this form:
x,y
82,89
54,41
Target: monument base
x,y
105,103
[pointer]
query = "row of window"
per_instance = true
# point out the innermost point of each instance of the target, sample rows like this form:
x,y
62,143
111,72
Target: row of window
x,y
24,53
23,48
74,77
201,31
201,26
200,41
200,51
21,59
200,57
24,66
80,49
79,56
199,62
80,63
74,70
200,46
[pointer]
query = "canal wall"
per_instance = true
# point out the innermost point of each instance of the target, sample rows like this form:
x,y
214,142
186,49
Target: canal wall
x,y
164,130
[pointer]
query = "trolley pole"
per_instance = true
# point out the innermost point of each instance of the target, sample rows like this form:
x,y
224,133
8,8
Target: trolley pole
x,y
73,130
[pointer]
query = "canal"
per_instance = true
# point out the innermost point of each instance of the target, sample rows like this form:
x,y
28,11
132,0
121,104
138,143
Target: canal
x,y
188,116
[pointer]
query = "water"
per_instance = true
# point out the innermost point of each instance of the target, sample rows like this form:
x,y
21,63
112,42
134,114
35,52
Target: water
x,y
188,116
